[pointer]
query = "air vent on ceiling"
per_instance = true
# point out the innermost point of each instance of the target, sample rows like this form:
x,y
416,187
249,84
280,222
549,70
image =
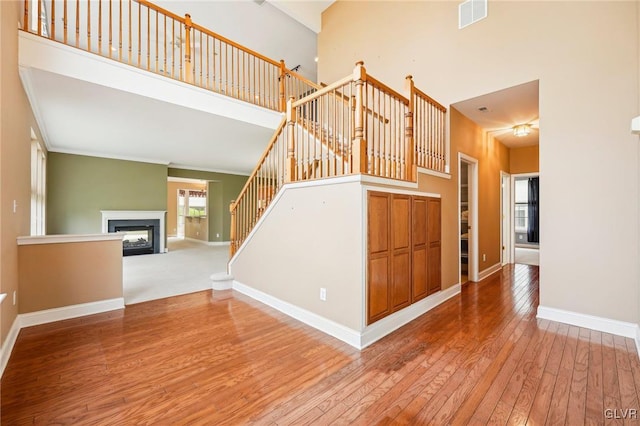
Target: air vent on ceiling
x,y
259,2
471,11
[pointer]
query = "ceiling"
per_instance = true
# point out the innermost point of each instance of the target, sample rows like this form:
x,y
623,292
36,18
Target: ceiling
x,y
141,128
505,109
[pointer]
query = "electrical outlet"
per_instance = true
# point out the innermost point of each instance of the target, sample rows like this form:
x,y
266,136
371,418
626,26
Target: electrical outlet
x,y
15,209
323,294
217,235
484,257
15,298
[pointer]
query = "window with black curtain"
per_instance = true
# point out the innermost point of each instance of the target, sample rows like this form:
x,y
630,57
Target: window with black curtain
x,y
533,211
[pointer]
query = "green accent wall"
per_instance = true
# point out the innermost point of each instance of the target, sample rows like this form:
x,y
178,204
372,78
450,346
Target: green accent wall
x,y
78,187
222,189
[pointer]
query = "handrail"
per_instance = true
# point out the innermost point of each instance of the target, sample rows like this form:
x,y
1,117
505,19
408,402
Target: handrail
x,y
323,91
147,36
234,44
429,99
387,89
272,141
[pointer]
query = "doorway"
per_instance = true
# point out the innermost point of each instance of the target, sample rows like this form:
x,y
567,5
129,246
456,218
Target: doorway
x,y
525,225
505,218
468,217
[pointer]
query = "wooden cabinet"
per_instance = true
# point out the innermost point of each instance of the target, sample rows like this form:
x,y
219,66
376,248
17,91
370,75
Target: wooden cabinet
x,y
403,251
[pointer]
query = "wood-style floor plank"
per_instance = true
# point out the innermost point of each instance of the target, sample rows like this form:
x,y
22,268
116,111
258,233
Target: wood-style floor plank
x,y
480,358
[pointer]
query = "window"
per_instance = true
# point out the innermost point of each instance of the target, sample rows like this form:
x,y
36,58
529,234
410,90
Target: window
x,y
38,187
521,205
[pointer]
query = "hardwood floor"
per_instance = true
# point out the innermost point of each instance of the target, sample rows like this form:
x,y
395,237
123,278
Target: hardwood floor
x,y
479,358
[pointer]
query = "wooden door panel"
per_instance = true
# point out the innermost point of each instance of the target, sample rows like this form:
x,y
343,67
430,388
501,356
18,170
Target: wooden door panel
x,y
401,221
433,269
378,289
378,222
419,274
419,221
401,284
434,223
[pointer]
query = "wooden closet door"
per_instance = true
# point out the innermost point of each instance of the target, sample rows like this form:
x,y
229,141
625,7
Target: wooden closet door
x,y
401,251
434,280
378,255
420,248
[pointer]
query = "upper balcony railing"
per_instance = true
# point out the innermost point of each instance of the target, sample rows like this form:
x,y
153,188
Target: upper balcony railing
x,y
141,34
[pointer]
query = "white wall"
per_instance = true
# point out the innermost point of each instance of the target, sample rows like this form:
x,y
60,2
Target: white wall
x,y
312,238
585,55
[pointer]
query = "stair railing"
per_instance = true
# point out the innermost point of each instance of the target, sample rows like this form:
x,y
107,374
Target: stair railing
x,y
141,34
260,188
429,121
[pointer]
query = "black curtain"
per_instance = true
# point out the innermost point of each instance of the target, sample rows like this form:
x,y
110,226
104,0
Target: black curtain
x,y
533,230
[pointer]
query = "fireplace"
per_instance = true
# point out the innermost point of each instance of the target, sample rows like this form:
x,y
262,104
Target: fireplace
x,y
143,231
140,236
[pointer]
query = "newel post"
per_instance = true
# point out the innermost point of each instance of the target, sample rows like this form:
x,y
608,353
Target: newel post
x,y
232,236
410,151
282,83
290,173
187,49
359,143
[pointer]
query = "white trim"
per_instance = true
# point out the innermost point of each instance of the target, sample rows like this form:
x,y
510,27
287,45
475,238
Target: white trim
x,y
68,312
386,325
160,215
472,185
112,156
340,332
8,344
207,169
2,297
490,270
208,243
186,180
398,191
26,78
637,339
221,281
619,328
61,239
505,218
434,173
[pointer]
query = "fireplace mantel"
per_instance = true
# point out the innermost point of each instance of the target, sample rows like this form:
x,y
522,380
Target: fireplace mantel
x,y
108,215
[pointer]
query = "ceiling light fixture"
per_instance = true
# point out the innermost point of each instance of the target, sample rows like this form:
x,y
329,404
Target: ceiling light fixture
x,y
521,130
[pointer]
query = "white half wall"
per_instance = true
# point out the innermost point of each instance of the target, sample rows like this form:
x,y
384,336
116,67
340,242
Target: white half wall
x,y
321,247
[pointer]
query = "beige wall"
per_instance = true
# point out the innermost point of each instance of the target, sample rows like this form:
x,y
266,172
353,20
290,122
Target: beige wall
x,y
524,160
323,247
58,275
172,203
492,156
588,93
16,121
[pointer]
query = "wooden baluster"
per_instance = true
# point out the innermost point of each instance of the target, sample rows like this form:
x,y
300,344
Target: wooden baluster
x,y
282,79
39,17
232,236
148,39
157,42
188,69
99,26
359,143
77,23
25,24
410,168
64,22
409,89
129,48
89,26
53,20
291,128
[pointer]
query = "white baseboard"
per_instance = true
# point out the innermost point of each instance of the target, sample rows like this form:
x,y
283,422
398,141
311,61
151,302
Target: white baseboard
x,y
606,325
490,270
68,312
637,340
51,315
7,347
209,243
316,321
358,340
386,325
